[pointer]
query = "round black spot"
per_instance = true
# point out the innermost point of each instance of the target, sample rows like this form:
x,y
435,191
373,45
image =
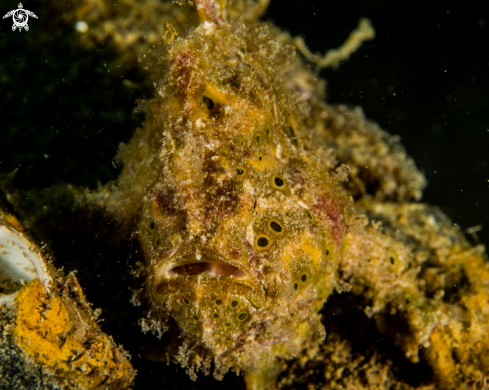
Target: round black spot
x,y
327,252
242,316
228,324
275,226
304,278
278,181
368,260
239,171
262,242
291,314
296,286
218,302
152,225
196,318
215,315
259,158
391,259
209,103
234,304
407,301
187,302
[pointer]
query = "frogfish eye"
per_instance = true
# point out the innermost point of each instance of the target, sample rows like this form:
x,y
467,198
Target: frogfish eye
x,y
209,103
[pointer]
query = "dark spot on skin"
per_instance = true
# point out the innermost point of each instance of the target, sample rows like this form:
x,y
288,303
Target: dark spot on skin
x,y
218,302
278,181
234,304
304,278
239,171
209,103
196,318
391,259
407,301
275,226
309,215
268,131
327,252
257,139
259,158
409,265
187,302
215,315
228,324
152,225
296,286
368,260
242,316
262,242
254,205
291,314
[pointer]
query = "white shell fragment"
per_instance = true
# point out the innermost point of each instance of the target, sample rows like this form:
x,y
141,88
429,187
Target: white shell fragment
x,y
20,262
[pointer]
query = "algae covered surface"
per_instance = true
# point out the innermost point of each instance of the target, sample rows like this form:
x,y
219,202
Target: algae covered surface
x,y
247,219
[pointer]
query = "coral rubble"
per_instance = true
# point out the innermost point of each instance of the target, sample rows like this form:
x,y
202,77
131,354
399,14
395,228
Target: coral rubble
x,y
49,333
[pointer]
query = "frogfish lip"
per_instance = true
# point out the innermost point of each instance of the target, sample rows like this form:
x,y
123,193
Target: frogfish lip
x,y
209,268
187,273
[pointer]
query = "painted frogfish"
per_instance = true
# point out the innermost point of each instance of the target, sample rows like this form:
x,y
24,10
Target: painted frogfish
x,y
253,200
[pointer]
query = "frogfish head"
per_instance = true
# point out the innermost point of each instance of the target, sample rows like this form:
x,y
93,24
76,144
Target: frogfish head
x,y
242,226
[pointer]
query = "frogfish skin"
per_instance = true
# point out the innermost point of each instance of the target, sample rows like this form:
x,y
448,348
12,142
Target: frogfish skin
x,y
243,222
255,200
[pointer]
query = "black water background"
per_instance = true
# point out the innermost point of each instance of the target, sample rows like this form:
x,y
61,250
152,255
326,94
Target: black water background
x,y
425,77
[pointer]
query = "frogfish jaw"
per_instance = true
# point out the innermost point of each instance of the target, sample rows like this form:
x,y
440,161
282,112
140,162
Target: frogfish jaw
x,y
214,299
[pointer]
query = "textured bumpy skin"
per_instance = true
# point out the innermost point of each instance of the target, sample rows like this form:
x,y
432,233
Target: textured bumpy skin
x,y
255,204
243,222
247,227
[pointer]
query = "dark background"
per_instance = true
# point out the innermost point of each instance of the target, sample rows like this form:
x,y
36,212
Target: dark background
x,y
425,77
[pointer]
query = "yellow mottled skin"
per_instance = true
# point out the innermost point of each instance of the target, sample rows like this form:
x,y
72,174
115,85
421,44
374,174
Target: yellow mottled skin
x,y
242,224
253,200
247,220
